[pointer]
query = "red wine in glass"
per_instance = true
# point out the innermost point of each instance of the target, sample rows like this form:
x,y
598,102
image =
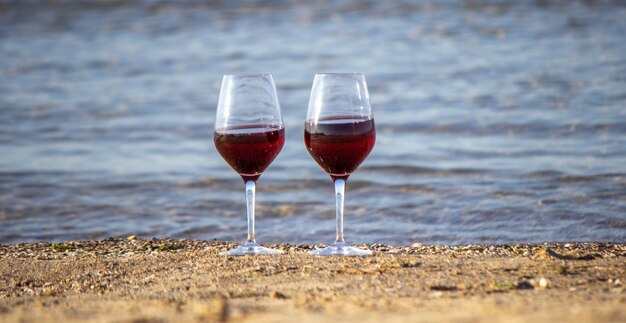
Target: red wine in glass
x,y
340,144
249,150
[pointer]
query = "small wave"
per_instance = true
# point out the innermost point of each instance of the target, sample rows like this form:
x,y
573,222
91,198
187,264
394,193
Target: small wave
x,y
531,129
543,174
197,231
613,223
570,179
412,189
562,177
423,171
206,183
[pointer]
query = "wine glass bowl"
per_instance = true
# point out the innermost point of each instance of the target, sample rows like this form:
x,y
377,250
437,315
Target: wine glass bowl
x,y
340,144
249,150
249,134
339,134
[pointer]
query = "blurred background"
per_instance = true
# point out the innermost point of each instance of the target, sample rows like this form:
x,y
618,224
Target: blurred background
x,y
498,121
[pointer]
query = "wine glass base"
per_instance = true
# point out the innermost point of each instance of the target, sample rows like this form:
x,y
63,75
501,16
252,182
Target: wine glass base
x,y
340,250
250,249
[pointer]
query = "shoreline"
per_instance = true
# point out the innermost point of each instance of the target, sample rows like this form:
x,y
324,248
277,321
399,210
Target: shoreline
x,y
166,280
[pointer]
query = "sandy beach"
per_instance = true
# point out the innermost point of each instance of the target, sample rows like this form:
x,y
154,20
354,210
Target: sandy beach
x,y
137,280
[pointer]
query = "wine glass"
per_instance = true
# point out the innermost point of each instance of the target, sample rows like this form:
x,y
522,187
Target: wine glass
x,y
249,134
339,134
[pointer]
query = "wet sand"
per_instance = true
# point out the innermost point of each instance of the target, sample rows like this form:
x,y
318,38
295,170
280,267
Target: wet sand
x,y
136,280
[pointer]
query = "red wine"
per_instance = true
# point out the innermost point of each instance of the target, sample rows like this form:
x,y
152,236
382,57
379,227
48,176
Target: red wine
x,y
249,150
340,144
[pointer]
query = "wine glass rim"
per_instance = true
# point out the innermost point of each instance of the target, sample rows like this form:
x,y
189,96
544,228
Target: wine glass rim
x,y
340,73
240,75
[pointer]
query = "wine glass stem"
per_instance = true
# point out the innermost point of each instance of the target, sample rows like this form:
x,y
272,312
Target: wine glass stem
x,y
250,191
340,186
